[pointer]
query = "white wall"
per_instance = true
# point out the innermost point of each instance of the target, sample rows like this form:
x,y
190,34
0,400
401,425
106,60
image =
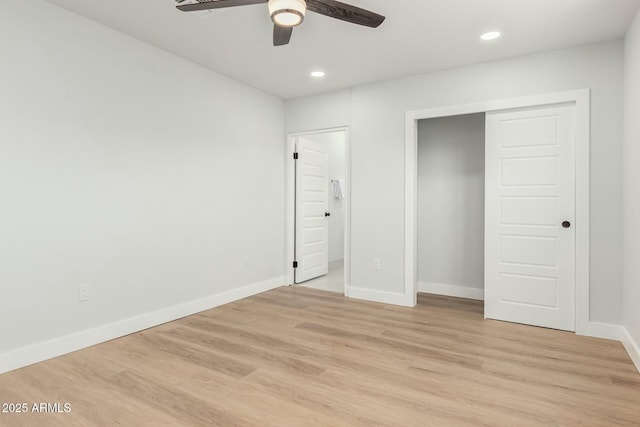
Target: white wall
x,y
377,114
325,111
153,180
451,202
632,183
336,145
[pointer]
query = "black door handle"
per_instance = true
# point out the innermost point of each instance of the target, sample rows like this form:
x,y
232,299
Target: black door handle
x,y
327,214
566,224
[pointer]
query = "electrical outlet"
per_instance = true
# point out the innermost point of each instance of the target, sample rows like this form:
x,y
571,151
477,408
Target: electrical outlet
x,y
83,294
376,264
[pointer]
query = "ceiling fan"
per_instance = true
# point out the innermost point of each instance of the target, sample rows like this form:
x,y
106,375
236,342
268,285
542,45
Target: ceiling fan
x,y
287,14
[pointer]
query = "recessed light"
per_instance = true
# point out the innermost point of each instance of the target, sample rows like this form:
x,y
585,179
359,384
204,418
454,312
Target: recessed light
x,y
317,74
491,35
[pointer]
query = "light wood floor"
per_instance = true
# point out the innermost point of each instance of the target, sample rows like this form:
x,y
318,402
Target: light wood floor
x,y
303,357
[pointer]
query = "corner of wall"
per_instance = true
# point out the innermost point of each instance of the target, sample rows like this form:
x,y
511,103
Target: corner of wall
x,y
632,348
631,207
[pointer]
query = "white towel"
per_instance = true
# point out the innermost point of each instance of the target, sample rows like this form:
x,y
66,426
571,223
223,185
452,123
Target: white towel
x,y
338,189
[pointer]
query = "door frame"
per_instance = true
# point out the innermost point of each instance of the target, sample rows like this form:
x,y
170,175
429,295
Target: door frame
x,y
581,99
290,203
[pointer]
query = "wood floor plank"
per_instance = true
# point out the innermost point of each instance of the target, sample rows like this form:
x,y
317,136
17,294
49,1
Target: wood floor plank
x,y
303,357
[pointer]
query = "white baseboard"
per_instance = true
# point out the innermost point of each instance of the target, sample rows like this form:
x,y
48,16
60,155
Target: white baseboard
x,y
632,347
606,331
69,343
451,290
379,296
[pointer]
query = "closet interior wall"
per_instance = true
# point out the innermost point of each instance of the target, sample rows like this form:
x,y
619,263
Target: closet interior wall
x,y
451,173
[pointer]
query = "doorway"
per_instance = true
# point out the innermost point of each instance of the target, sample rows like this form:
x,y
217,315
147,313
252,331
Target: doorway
x,y
318,209
451,203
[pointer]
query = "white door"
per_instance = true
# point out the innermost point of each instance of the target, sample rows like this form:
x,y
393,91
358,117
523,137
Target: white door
x,y
530,216
312,201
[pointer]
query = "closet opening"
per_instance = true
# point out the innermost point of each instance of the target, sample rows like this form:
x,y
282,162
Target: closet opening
x,y
536,210
451,206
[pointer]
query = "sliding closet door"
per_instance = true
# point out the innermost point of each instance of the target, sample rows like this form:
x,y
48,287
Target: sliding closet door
x,y
530,211
312,201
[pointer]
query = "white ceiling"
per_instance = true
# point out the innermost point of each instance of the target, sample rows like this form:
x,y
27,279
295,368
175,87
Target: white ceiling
x,y
418,36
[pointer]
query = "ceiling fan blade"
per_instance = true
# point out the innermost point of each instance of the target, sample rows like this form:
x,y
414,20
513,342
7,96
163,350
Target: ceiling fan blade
x,y
281,35
217,4
345,12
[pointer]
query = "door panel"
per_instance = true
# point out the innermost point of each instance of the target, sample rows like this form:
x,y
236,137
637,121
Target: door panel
x,y
530,290
534,171
529,250
529,210
312,201
530,191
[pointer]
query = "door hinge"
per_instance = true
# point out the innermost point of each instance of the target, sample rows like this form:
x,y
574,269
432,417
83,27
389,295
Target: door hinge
x,y
295,156
295,264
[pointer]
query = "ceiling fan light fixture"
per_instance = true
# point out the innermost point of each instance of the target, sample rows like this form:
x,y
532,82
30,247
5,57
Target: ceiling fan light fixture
x,y
287,13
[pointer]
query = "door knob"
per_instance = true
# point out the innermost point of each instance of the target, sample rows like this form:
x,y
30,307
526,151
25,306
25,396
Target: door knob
x,y
327,214
566,224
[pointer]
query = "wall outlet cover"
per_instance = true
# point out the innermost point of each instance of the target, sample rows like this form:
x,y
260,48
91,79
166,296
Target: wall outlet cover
x,y
83,293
